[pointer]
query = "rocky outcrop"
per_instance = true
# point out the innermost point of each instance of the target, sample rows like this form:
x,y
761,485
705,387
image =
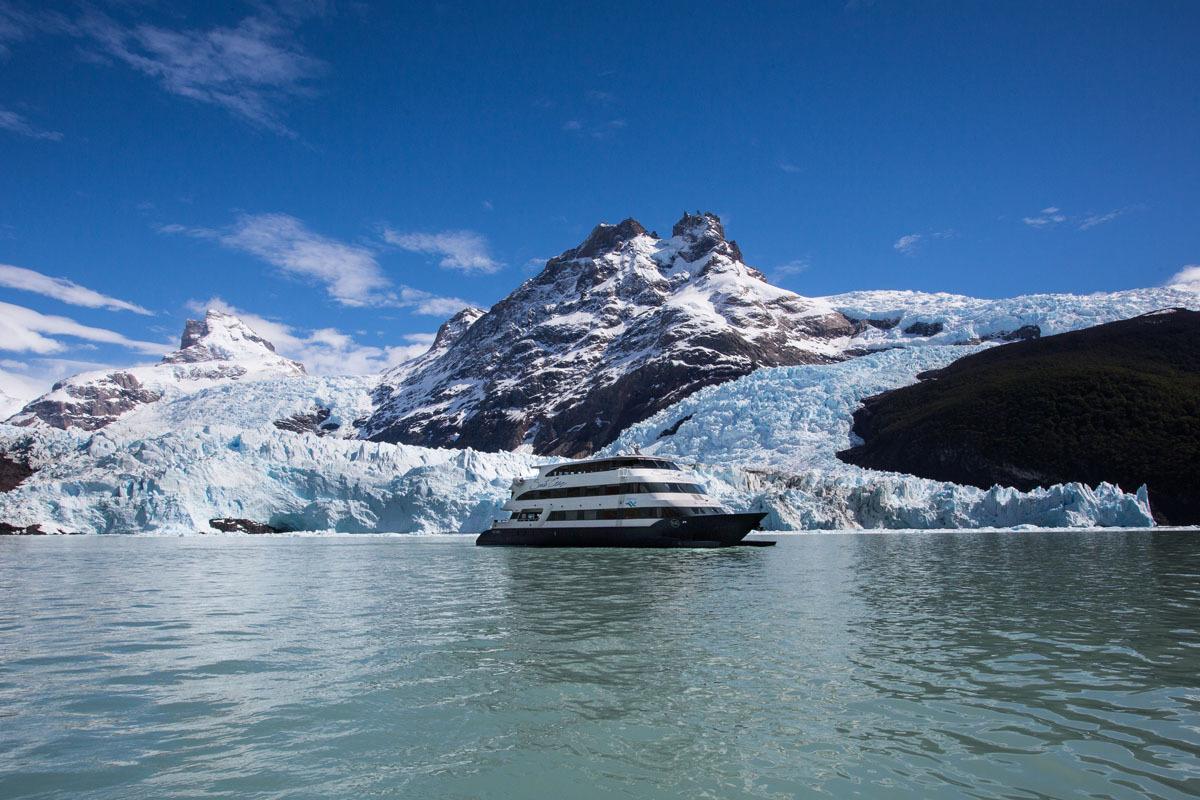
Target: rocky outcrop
x,y
13,470
607,334
238,525
316,422
1118,403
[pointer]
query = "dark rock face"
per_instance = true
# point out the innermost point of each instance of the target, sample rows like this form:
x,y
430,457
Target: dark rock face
x,y
13,470
885,324
674,429
18,530
1019,335
308,423
91,405
1117,403
923,329
238,525
609,333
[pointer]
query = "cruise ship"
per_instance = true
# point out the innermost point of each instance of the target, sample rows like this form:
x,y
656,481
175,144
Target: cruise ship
x,y
617,501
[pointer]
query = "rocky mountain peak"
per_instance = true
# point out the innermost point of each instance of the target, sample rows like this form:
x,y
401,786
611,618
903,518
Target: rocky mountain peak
x,y
702,234
606,238
455,327
224,337
213,350
608,333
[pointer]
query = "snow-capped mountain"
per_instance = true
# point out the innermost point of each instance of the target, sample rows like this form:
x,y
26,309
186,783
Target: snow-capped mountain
x,y
217,349
608,333
621,341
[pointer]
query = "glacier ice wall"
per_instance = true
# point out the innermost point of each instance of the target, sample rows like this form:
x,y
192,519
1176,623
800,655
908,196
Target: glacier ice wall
x,y
176,481
768,442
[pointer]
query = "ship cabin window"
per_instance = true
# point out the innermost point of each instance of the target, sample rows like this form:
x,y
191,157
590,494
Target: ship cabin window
x,y
528,515
651,512
609,490
611,464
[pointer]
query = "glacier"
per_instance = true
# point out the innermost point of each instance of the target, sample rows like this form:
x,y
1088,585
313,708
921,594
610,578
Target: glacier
x,y
764,442
768,442
207,447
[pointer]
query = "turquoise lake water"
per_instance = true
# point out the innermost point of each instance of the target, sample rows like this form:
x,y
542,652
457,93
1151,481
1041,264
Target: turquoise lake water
x,y
981,665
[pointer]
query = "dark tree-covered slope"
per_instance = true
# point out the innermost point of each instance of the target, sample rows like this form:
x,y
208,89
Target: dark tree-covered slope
x,y
1119,403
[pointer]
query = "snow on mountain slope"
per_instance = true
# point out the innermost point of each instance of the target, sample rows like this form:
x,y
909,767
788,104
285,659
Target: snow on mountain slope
x,y
9,405
608,333
218,349
177,480
768,441
912,318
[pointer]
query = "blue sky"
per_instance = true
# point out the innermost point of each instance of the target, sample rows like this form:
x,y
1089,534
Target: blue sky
x,y
347,174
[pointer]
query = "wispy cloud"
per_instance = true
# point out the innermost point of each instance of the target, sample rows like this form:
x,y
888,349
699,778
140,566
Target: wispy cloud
x,y
1053,216
911,244
466,251
252,69
15,123
23,330
323,351
1187,279
1099,219
1046,218
350,273
908,244
534,265
794,267
790,168
62,289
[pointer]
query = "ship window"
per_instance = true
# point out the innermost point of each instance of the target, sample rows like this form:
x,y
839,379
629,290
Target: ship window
x,y
528,515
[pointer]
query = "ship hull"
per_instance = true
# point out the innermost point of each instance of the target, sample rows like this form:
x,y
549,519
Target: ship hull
x,y
720,530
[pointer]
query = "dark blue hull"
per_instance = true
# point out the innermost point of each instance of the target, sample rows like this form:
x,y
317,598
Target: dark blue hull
x,y
718,530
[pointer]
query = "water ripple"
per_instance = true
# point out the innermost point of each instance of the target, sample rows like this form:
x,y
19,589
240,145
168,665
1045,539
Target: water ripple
x,y
981,665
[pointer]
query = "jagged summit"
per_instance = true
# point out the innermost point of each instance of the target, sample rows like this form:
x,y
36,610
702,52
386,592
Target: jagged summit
x,y
605,238
608,333
216,349
705,234
224,337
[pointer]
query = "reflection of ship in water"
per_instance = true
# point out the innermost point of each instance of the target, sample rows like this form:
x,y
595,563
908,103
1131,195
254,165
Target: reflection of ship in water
x,y
620,501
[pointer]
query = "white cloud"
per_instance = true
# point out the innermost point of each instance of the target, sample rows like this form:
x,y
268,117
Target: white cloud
x,y
323,351
1100,219
791,168
794,267
1187,279
1052,216
534,265
62,289
461,250
908,244
251,69
16,123
350,273
25,330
